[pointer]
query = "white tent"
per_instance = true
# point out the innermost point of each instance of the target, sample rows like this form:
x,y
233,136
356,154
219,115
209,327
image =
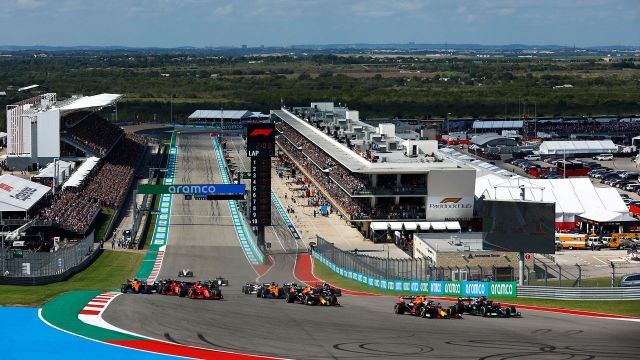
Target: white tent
x,y
577,147
378,226
572,196
81,173
18,194
604,216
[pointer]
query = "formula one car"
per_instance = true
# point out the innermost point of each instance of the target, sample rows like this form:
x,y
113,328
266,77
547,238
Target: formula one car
x,y
136,286
221,281
185,273
171,287
251,287
271,291
207,290
485,308
420,306
311,295
328,287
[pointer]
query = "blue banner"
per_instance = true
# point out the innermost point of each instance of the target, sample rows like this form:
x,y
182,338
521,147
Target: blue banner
x,y
475,288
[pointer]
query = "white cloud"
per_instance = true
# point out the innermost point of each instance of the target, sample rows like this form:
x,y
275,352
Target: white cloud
x,y
29,4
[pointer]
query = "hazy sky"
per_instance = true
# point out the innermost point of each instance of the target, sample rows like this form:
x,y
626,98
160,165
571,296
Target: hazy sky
x,y
171,23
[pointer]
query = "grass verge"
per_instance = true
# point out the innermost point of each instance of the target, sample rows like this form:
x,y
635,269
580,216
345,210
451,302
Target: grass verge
x,y
107,272
619,307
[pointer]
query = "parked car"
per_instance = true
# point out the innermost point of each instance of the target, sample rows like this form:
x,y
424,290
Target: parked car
x,y
532,157
630,280
603,157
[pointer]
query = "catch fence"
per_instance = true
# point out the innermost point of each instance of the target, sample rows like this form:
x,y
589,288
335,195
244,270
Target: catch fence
x,y
35,267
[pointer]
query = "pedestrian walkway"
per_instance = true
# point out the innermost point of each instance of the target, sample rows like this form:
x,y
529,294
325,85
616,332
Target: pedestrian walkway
x,y
332,228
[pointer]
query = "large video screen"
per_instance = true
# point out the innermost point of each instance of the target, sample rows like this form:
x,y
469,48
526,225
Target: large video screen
x,y
518,226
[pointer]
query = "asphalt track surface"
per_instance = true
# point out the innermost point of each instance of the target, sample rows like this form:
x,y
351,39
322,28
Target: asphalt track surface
x,y
202,238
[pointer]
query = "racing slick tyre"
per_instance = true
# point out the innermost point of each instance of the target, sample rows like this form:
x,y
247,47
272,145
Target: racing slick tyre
x,y
399,308
182,292
453,310
259,292
459,308
123,289
291,298
512,310
483,311
217,294
333,300
191,294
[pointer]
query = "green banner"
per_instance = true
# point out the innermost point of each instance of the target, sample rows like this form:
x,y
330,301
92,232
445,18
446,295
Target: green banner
x,y
502,289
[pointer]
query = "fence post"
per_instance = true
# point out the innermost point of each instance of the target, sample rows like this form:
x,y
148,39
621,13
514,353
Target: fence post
x,y
528,273
481,273
560,274
613,274
546,274
579,274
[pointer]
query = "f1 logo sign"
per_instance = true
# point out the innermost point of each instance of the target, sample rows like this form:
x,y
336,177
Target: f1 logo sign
x,y
450,200
261,132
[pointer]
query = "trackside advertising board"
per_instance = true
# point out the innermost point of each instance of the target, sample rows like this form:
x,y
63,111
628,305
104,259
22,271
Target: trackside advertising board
x,y
443,288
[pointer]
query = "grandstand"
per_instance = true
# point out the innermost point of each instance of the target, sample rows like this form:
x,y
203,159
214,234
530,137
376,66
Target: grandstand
x,y
41,129
92,161
370,173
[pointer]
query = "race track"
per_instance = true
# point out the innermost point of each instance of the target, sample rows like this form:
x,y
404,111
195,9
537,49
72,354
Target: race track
x,y
202,238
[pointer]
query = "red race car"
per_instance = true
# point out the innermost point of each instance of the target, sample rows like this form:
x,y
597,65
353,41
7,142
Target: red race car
x,y
171,287
207,290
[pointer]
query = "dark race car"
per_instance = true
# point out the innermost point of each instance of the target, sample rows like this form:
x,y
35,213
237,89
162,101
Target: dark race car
x,y
271,291
308,295
207,290
330,288
171,287
420,306
485,308
185,273
136,286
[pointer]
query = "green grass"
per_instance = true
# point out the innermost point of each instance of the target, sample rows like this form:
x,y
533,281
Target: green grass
x,y
107,272
620,307
104,217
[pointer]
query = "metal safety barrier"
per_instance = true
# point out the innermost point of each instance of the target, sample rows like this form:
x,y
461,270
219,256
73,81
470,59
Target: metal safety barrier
x,y
584,293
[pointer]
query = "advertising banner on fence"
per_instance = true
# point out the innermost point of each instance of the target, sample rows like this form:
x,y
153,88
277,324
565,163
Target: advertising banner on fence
x,y
444,288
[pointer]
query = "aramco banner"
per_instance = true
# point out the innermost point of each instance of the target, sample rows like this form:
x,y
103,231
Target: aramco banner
x,y
444,288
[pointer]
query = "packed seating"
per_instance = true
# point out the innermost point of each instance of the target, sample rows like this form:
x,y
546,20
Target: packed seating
x,y
338,182
567,128
105,186
95,133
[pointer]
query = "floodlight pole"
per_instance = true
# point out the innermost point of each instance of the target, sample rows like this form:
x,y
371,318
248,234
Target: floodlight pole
x,y
521,253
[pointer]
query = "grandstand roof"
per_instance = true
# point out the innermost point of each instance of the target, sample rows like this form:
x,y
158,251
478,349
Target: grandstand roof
x,y
65,168
89,103
498,124
18,194
572,196
577,147
485,138
228,114
78,177
354,162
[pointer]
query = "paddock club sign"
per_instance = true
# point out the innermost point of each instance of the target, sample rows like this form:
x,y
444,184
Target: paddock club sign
x,y
444,288
214,191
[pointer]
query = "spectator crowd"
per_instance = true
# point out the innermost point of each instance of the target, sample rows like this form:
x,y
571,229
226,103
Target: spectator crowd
x,y
95,133
106,186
